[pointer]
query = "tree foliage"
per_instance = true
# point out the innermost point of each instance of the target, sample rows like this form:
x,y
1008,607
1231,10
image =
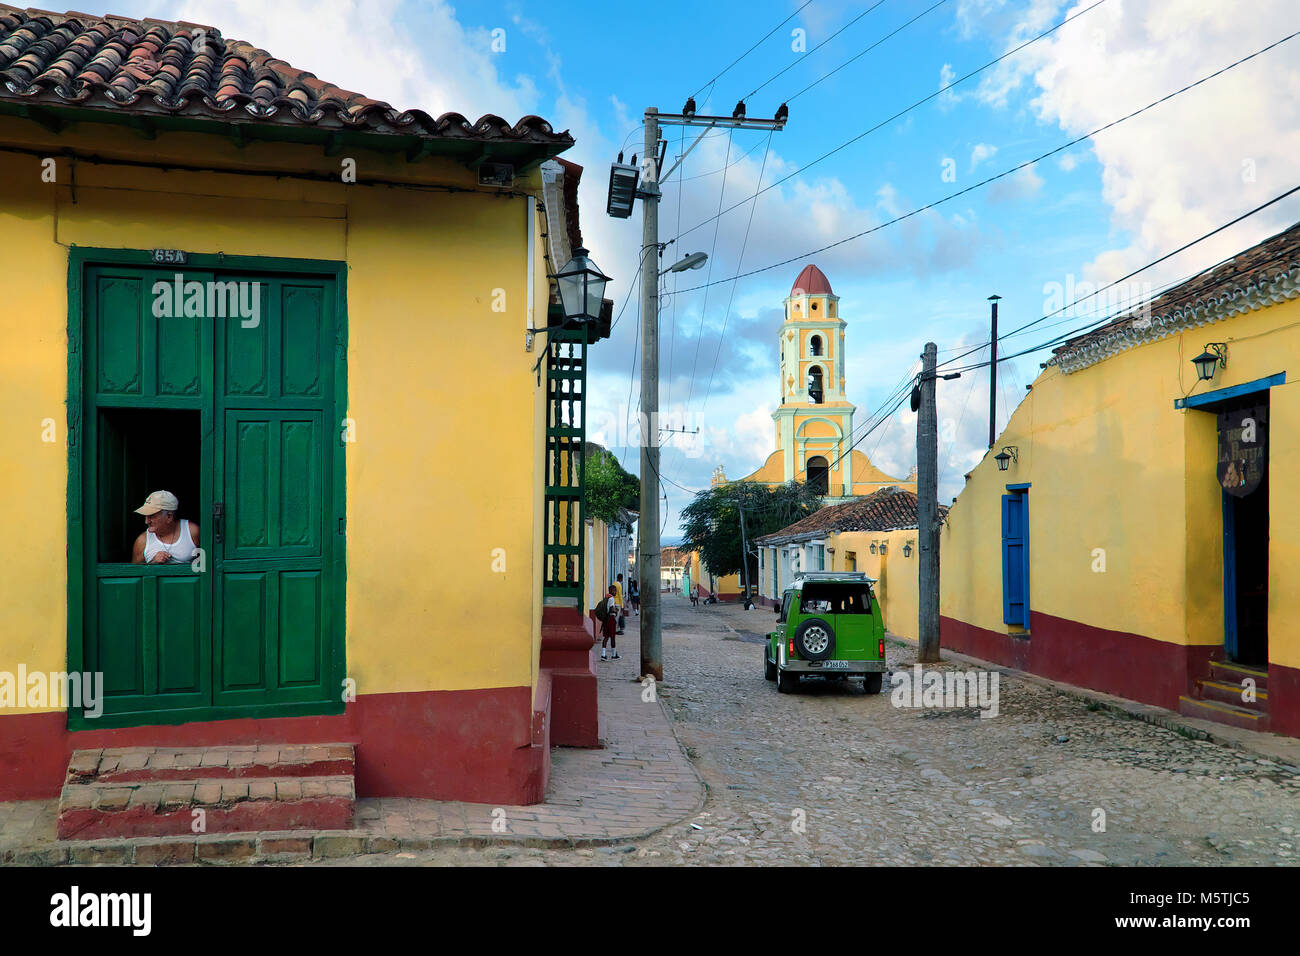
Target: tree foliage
x,y
711,523
609,487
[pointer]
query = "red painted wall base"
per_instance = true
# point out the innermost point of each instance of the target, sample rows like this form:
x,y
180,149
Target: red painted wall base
x,y
1116,662
478,746
569,657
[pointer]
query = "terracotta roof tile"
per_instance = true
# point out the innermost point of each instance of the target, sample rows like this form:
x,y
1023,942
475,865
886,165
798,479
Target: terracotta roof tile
x,y
148,66
1252,271
888,509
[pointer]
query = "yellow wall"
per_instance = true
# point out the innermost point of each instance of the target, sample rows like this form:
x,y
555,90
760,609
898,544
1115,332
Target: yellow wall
x,y
440,458
895,573
1114,466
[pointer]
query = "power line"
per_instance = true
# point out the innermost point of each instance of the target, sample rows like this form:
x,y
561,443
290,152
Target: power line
x,y
901,113
751,49
1004,173
803,58
712,256
863,53
732,298
1065,336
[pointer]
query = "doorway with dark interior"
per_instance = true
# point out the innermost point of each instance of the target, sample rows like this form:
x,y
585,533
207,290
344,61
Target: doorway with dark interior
x,y
1243,476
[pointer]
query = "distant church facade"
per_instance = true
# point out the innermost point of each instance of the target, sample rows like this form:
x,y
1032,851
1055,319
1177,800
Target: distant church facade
x,y
814,421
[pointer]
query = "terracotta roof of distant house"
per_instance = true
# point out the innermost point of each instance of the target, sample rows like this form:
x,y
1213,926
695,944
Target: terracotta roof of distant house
x,y
176,69
1261,275
889,509
812,281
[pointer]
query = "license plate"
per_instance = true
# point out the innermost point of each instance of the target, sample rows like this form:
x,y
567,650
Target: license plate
x,y
835,665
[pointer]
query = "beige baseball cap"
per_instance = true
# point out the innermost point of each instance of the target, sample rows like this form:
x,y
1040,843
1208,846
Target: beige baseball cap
x,y
158,501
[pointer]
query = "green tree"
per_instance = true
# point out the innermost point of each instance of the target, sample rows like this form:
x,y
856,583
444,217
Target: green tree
x,y
711,522
609,487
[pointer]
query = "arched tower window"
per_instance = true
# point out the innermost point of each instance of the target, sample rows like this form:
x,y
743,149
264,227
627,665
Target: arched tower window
x,y
818,475
815,385
815,345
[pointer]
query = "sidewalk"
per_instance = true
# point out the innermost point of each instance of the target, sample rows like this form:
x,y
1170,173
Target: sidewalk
x,y
1285,750
637,784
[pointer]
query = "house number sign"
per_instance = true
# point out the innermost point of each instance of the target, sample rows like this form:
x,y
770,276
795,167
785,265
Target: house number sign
x,y
170,257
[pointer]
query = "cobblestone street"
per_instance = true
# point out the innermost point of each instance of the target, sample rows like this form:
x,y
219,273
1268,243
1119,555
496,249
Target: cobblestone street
x,y
832,775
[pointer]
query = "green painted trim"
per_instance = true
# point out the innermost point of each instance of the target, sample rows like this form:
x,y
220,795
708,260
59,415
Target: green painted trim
x,y
81,258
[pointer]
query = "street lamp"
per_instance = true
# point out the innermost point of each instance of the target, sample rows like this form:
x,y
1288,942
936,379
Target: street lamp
x,y
623,180
693,261
582,288
1006,456
1216,353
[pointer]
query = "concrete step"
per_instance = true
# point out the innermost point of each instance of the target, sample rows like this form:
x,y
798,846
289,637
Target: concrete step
x,y
1228,693
168,791
1231,673
89,811
143,764
1221,713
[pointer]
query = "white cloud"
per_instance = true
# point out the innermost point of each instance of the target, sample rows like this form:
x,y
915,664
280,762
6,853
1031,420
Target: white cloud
x,y
1017,186
1195,162
981,152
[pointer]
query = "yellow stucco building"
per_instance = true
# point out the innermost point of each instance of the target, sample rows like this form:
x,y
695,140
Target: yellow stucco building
x,y
318,436
1143,537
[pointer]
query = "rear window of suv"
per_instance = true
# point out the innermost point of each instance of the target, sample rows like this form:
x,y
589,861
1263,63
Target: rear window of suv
x,y
835,598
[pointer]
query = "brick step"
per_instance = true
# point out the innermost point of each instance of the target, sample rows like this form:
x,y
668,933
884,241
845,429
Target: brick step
x,y
1222,713
143,764
99,809
1227,693
1231,673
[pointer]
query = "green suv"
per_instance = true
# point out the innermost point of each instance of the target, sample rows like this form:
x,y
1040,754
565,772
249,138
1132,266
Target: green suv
x,y
829,624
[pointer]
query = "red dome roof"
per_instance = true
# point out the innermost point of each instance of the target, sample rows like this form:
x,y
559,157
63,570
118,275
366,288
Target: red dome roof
x,y
812,281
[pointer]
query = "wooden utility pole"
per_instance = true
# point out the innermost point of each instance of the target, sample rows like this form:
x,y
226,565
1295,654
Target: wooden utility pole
x,y
648,547
927,511
648,540
993,373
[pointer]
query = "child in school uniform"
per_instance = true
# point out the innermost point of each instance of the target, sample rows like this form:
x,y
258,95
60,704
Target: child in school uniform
x,y
609,626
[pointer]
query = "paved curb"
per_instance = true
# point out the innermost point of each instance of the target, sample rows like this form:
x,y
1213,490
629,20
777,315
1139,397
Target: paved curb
x,y
1284,750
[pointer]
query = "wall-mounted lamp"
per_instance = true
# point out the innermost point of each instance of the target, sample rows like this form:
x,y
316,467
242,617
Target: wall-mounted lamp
x,y
884,546
873,547
907,550
1005,457
1216,353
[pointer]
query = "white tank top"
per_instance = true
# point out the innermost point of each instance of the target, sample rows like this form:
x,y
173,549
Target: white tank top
x,y
180,551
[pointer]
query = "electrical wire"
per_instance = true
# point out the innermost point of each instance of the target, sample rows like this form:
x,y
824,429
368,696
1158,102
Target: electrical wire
x,y
863,53
1065,336
750,50
1001,175
712,257
804,58
732,298
901,113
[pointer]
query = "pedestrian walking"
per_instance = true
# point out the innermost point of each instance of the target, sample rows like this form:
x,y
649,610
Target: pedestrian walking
x,y
634,595
608,625
622,607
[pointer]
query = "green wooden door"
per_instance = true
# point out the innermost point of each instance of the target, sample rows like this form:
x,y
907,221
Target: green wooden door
x,y
275,425
236,417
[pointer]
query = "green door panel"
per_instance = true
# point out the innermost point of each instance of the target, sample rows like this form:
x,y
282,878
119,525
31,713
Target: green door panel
x,y
120,305
181,633
243,643
300,651
118,652
219,407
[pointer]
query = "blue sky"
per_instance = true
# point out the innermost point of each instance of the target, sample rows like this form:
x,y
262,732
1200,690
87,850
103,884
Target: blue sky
x,y
1091,214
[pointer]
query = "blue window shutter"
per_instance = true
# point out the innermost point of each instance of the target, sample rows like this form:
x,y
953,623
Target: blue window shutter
x,y
1015,576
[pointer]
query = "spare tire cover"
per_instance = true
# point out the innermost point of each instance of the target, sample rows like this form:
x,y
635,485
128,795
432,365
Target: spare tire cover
x,y
814,639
